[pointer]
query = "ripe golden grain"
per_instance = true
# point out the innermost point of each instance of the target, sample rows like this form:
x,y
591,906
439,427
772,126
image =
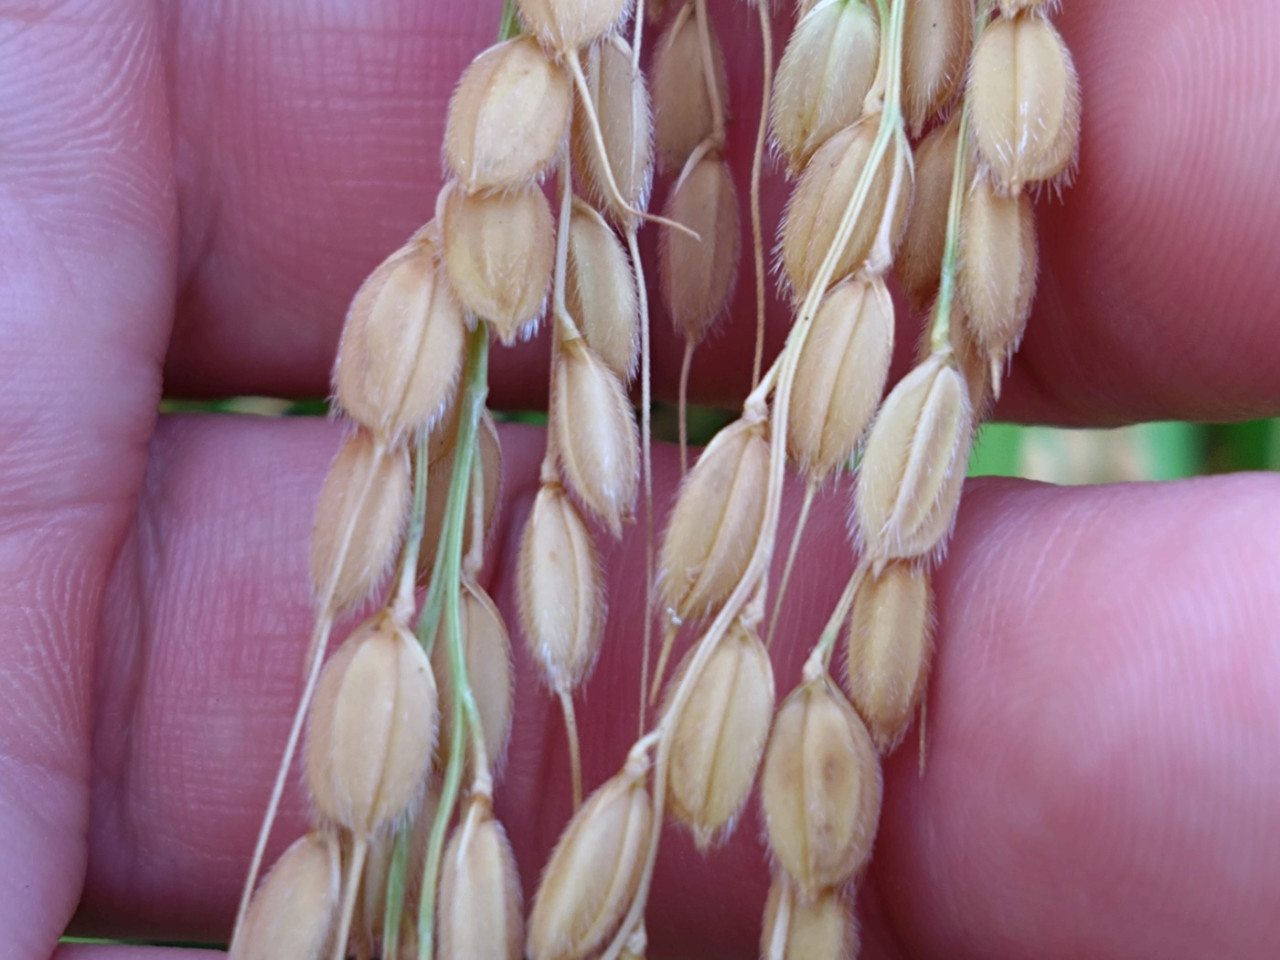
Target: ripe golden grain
x,y
796,928
508,117
591,878
715,522
826,70
820,788
696,276
1025,100
997,279
600,291
366,492
499,251
890,634
372,729
919,261
567,25
595,434
561,598
938,40
684,116
720,734
817,206
840,376
621,99
291,916
479,901
402,345
914,462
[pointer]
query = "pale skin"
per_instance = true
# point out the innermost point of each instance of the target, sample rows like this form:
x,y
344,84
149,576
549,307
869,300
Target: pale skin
x,y
190,193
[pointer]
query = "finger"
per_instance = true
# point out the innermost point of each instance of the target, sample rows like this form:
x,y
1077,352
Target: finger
x,y
1103,701
95,951
85,226
314,151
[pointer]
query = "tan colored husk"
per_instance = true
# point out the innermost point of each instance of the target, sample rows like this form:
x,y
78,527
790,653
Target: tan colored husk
x,y
600,291
1024,98
890,636
371,902
489,669
1011,8
719,736
561,597
938,37
566,25
840,376
621,99
919,260
823,928
819,201
372,728
508,117
499,251
820,788
596,440
592,876
696,276
480,916
291,915
914,462
715,521
997,278
826,70
402,345
366,490
683,115
439,476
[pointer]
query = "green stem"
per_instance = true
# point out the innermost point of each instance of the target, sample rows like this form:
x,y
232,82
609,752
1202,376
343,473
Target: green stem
x,y
445,585
510,25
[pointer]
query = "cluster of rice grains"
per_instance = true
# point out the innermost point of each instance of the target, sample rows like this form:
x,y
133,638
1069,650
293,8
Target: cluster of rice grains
x,y
914,131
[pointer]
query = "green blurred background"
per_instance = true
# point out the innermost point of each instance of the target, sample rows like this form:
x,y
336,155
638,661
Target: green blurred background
x,y
1149,451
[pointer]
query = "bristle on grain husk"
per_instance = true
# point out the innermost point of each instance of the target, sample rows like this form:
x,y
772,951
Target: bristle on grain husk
x,y
1024,98
561,599
840,376
592,876
292,914
499,251
359,519
820,788
508,117
372,729
715,523
719,736
826,70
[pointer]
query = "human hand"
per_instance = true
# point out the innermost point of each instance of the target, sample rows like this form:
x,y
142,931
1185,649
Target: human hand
x,y
1106,696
